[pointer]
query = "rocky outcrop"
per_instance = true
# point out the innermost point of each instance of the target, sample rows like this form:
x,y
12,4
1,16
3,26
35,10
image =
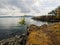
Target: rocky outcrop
x,y
37,35
44,35
17,40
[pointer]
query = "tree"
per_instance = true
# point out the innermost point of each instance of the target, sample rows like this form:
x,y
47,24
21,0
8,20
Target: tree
x,y
52,12
56,12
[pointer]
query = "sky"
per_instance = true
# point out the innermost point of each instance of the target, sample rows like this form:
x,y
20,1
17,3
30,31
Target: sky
x,y
27,7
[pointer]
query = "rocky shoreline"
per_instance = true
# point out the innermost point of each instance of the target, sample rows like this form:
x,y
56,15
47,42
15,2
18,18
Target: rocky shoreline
x,y
44,35
17,40
37,35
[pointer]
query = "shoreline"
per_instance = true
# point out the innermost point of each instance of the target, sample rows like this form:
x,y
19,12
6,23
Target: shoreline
x,y
48,18
36,32
44,35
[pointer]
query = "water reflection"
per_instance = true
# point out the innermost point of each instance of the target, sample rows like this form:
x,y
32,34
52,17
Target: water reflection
x,y
14,21
10,26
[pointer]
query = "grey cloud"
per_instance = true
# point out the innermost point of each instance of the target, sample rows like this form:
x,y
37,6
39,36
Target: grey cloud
x,y
18,3
29,2
26,6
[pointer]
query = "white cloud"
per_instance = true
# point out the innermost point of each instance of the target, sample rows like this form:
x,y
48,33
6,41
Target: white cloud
x,y
19,7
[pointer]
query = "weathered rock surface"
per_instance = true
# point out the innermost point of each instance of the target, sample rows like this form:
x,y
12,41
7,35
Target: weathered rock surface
x,y
17,40
44,35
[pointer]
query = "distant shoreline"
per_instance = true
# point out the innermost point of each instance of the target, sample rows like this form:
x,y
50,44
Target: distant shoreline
x,y
13,16
47,18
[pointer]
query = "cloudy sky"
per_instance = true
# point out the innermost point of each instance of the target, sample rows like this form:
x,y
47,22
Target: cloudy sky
x,y
21,7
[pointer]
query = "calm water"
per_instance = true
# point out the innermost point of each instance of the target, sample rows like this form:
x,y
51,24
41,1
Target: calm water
x,y
10,26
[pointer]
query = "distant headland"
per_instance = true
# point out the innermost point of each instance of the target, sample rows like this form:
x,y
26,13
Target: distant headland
x,y
53,16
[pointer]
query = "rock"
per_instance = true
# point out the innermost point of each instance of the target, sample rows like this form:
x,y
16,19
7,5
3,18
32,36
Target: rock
x,y
37,35
17,40
45,35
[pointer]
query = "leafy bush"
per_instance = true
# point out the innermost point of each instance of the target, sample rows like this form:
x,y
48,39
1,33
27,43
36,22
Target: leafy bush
x,y
22,22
